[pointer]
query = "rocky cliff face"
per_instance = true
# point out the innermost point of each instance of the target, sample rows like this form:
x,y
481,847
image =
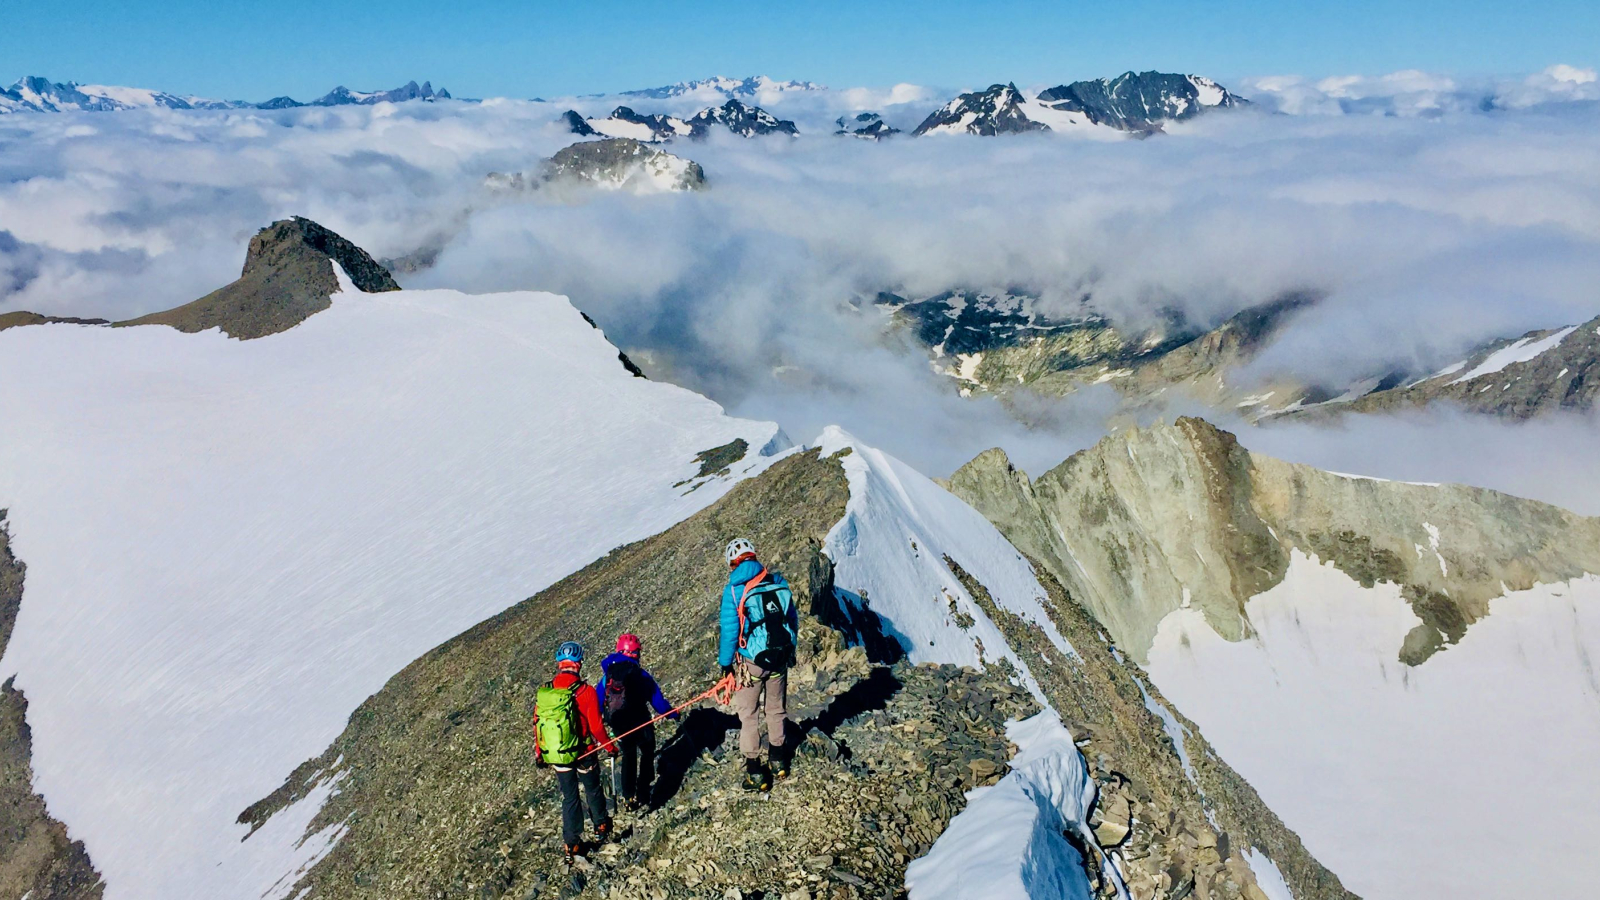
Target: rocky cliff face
x,y
38,859
1152,520
287,279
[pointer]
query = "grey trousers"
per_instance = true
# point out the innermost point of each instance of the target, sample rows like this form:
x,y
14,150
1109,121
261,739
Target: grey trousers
x,y
759,684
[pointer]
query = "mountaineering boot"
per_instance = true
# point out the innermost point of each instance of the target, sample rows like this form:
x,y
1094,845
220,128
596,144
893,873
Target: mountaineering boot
x,y
603,833
756,776
780,758
571,853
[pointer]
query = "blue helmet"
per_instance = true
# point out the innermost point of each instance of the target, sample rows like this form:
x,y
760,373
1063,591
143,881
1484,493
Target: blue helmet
x,y
569,651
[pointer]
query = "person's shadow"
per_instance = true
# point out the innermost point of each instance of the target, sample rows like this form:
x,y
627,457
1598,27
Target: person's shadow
x,y
700,731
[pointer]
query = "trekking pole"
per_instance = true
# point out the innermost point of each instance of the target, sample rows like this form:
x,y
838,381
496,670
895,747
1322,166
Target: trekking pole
x,y
722,690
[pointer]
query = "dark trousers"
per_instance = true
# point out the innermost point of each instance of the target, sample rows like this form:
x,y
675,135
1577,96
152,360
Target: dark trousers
x,y
587,772
638,762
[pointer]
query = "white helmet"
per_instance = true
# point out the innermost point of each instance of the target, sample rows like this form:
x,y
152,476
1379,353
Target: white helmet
x,y
739,547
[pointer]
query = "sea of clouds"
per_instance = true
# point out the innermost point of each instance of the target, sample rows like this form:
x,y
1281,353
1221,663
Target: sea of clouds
x,y
1430,212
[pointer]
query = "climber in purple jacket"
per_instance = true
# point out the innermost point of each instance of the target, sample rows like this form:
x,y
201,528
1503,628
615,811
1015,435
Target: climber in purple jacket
x,y
628,693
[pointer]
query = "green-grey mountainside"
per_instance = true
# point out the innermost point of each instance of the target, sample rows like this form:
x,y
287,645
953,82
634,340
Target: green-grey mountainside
x,y
1150,520
288,277
1551,370
437,795
38,860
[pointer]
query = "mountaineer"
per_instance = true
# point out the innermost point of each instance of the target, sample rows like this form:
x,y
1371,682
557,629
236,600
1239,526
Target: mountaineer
x,y
627,692
569,733
760,627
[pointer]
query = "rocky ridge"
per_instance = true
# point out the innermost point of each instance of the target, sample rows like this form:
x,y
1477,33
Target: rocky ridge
x,y
737,117
437,796
38,858
1151,520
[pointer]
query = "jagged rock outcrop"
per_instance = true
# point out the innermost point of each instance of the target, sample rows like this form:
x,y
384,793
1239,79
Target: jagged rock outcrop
x,y
1151,520
288,277
38,859
621,163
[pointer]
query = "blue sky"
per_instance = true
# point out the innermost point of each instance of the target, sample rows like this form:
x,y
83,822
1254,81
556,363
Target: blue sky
x,y
522,49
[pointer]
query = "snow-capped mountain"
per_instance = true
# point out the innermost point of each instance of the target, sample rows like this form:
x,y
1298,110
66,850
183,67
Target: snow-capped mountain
x,y
866,125
625,123
1135,103
610,163
1140,102
1002,109
754,86
36,94
742,120
343,96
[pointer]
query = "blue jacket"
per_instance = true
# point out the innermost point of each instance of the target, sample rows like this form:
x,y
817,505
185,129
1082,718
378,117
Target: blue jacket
x,y
730,610
657,701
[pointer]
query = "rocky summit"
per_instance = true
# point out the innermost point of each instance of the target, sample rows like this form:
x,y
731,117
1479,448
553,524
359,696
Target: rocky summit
x,y
288,277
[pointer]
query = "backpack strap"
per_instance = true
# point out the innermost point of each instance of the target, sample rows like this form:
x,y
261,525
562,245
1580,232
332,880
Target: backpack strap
x,y
748,587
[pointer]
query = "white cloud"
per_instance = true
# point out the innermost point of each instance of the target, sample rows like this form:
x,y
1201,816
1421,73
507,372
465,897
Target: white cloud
x,y
1427,235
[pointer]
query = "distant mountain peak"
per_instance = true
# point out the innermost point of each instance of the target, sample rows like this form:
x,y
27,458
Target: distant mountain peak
x,y
732,87
1000,109
34,93
737,117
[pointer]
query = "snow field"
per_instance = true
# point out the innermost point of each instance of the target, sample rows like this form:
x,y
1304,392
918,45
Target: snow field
x,y
231,544
1409,782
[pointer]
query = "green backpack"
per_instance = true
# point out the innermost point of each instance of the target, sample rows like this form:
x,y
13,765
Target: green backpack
x,y
559,734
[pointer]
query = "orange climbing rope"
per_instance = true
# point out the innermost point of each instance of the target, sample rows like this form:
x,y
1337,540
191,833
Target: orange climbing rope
x,y
722,690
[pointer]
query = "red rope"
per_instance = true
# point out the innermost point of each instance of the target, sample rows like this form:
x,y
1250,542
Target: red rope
x,y
722,690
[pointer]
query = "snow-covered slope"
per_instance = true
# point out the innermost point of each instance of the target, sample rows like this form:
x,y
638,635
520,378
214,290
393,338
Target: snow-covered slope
x,y
891,550
1471,775
231,544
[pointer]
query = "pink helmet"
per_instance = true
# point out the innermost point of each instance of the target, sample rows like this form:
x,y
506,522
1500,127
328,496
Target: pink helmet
x,y
628,645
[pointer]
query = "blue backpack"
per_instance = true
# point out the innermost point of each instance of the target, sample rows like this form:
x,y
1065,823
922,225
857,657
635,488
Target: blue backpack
x,y
766,622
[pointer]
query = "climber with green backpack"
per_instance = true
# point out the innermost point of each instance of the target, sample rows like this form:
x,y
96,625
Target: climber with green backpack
x,y
760,629
568,734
